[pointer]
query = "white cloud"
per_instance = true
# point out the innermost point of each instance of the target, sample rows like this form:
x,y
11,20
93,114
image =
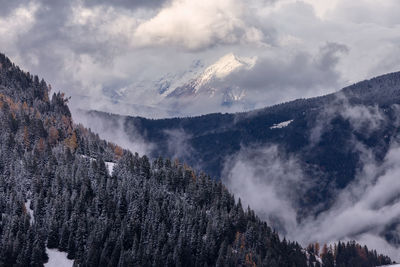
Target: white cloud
x,y
104,23
19,22
115,131
322,7
365,119
198,24
383,13
269,181
365,210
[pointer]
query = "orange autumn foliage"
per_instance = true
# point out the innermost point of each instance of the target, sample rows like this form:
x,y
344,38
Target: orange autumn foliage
x,y
25,108
41,145
53,135
67,123
118,151
249,260
72,142
26,137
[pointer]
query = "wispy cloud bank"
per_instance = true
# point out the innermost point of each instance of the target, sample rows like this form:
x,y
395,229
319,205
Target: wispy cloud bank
x,y
269,181
115,131
368,209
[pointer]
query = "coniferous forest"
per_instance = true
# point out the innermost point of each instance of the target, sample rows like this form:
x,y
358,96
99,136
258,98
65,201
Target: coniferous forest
x,y
63,187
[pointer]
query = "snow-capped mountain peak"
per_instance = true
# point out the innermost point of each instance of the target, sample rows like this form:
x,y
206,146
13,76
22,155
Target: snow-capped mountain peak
x,y
223,67
218,71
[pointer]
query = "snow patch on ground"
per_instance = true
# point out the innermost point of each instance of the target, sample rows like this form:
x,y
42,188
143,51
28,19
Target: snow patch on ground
x,y
317,258
86,157
110,167
281,125
58,259
30,211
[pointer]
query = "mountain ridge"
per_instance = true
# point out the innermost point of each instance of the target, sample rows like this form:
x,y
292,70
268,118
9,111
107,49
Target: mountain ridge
x,y
328,135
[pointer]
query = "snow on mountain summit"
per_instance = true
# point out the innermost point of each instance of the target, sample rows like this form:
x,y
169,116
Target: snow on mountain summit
x,y
223,67
218,71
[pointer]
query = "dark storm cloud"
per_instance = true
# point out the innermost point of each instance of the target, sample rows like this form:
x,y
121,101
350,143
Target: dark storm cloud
x,y
131,4
53,46
43,49
52,35
8,6
36,44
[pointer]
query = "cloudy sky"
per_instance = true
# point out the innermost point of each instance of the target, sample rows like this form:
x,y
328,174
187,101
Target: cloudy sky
x,y
93,49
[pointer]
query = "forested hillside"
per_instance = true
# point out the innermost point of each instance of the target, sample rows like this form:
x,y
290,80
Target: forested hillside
x,y
141,212
212,137
324,134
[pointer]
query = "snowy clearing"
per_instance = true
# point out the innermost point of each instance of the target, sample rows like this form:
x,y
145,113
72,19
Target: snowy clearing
x,y
58,259
281,125
110,167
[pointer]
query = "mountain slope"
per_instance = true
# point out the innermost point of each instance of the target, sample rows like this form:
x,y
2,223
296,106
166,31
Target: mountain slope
x,y
144,214
330,138
105,206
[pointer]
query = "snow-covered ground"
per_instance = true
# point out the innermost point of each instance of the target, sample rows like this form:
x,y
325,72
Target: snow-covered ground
x,y
281,125
110,167
58,259
86,157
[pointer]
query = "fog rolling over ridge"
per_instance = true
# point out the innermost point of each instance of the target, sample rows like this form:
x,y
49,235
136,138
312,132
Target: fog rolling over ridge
x,y
318,170
113,131
367,209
